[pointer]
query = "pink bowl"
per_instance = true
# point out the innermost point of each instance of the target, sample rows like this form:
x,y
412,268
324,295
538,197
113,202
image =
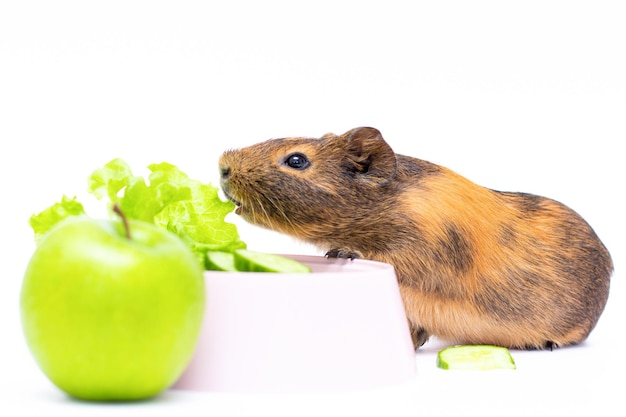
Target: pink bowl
x,y
341,327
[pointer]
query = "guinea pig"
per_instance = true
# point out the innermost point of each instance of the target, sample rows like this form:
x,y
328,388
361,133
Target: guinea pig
x,y
474,265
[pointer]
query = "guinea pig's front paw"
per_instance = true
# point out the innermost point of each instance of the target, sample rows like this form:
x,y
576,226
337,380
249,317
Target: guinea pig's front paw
x,y
342,253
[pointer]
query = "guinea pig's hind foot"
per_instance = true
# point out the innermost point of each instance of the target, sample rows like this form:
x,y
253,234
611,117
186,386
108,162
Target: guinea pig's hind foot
x,y
419,335
342,253
550,345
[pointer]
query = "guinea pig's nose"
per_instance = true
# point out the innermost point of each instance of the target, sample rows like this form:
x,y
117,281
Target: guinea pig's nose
x,y
224,171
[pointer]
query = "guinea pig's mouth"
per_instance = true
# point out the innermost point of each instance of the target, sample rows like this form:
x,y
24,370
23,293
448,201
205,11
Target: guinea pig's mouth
x,y
238,207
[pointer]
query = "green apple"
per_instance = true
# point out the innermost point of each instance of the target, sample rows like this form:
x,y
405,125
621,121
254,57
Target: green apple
x,y
111,310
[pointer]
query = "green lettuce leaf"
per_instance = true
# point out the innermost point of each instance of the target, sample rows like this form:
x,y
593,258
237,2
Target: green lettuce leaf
x,y
111,179
187,207
49,217
170,199
137,200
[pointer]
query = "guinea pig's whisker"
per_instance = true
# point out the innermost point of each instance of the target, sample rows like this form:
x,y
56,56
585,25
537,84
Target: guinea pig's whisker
x,y
280,211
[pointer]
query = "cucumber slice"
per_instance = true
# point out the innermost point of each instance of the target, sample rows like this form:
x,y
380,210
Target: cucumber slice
x,y
247,260
475,357
220,261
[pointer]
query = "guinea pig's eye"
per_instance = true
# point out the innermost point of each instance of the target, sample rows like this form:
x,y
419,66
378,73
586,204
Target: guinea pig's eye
x,y
297,161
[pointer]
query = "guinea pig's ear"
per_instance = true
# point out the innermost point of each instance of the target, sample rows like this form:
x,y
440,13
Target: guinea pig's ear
x,y
370,155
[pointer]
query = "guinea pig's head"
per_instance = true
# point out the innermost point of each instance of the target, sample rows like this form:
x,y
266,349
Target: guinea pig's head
x,y
300,185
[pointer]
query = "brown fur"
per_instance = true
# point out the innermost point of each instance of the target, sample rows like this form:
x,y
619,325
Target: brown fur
x,y
474,265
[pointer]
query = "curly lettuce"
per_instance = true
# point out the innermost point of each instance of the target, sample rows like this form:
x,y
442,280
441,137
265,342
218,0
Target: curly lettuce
x,y
45,220
169,199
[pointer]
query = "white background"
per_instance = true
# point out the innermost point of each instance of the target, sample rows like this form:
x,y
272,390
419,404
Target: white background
x,y
519,96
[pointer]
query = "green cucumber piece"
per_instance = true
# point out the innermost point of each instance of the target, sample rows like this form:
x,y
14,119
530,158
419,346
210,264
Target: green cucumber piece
x,y
247,260
475,357
220,261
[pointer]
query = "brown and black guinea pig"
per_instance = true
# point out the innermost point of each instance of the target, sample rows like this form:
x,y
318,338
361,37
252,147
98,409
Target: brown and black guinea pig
x,y
474,265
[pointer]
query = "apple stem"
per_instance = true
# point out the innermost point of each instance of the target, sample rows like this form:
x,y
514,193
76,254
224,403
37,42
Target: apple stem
x,y
118,210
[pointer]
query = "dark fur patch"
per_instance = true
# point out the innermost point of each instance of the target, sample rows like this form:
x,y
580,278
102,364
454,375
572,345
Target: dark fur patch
x,y
455,250
512,301
416,168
